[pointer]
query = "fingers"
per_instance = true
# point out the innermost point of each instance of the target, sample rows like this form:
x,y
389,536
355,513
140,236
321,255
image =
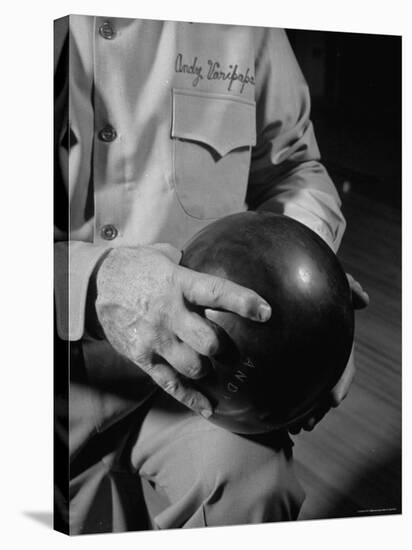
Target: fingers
x,y
185,360
332,400
360,298
197,333
171,363
316,418
295,429
217,293
168,379
341,389
311,421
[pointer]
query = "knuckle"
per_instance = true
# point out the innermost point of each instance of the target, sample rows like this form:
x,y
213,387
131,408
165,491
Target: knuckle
x,y
170,386
186,279
143,360
191,401
162,312
174,276
216,288
160,341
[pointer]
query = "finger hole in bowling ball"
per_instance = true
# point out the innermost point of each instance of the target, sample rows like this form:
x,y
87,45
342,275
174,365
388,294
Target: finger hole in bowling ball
x,y
228,352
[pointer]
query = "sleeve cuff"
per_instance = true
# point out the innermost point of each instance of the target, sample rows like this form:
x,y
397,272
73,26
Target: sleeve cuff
x,y
74,263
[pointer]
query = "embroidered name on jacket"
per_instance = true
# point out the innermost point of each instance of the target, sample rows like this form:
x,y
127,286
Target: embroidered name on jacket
x,y
214,71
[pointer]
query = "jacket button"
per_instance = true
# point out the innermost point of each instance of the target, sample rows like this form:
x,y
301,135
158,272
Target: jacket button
x,y
107,31
108,232
107,134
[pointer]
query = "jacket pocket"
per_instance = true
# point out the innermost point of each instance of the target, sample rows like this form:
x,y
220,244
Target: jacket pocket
x,y
212,139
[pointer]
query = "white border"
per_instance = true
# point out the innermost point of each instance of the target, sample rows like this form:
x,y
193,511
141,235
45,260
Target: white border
x,y
26,268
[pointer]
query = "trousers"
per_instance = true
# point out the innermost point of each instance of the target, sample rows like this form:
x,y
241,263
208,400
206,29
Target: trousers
x,y
160,466
204,475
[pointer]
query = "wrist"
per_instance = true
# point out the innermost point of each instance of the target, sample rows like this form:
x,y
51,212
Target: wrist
x,y
92,323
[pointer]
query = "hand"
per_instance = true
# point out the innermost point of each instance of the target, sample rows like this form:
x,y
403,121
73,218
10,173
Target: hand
x,y
150,310
360,300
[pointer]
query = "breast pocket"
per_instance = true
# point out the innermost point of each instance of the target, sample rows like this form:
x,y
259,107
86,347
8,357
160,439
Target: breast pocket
x,y
212,135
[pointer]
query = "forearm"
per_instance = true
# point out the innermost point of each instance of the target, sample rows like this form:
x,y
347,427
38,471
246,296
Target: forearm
x,y
307,194
286,174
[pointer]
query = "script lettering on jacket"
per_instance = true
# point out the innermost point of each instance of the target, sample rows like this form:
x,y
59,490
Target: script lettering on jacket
x,y
214,71
192,68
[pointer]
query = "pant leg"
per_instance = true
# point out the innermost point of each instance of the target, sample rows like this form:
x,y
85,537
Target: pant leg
x,y
108,399
208,476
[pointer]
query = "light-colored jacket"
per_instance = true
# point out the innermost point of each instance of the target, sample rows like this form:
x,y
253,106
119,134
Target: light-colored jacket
x,y
162,127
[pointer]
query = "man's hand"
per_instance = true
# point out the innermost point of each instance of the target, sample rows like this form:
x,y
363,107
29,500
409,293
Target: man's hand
x,y
360,300
151,309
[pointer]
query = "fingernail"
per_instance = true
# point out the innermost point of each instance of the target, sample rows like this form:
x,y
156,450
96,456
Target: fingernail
x,y
206,413
264,312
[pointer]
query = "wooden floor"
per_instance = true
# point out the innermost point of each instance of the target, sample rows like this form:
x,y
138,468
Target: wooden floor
x,y
350,464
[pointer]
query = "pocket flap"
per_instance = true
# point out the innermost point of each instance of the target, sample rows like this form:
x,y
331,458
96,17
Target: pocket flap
x,y
223,121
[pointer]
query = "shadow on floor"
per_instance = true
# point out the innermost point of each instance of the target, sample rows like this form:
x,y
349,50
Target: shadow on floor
x,y
44,518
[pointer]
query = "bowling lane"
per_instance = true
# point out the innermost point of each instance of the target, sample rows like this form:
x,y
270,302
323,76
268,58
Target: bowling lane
x,y
350,464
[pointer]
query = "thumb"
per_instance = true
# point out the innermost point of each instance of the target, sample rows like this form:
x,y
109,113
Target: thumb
x,y
360,298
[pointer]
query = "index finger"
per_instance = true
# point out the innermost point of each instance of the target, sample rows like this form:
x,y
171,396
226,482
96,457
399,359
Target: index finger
x,y
214,292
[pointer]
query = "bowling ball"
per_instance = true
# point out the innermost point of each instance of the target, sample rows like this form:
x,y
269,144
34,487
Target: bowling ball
x,y
270,375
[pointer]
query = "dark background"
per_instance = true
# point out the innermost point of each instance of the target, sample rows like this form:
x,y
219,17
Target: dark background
x,y
355,83
350,465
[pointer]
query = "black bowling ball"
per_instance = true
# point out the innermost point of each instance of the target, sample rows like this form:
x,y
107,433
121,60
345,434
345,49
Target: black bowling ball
x,y
271,374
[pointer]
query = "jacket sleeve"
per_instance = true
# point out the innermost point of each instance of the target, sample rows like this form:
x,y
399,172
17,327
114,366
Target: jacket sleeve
x,y
286,175
74,261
